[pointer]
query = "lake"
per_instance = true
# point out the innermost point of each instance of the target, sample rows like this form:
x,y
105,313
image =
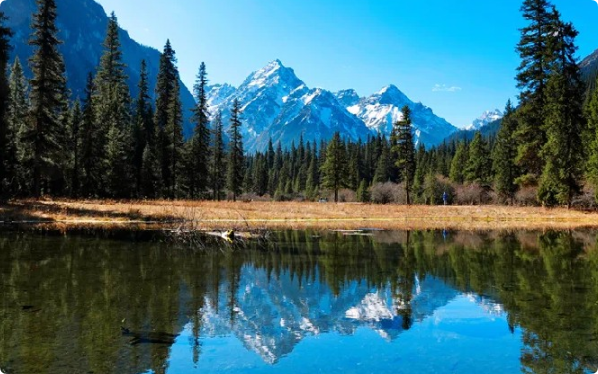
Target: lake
x,y
301,302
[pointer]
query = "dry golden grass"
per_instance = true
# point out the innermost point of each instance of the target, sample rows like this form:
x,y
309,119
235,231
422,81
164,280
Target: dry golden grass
x,y
293,215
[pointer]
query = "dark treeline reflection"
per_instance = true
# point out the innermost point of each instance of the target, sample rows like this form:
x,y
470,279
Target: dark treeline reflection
x,y
65,300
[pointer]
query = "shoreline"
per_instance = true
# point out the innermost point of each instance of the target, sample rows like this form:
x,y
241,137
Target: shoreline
x,y
210,215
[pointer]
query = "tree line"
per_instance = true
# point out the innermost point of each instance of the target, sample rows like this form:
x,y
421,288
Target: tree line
x,y
110,145
107,143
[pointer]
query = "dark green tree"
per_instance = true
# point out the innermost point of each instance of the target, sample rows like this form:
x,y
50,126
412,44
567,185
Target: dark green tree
x,y
459,163
113,113
218,161
564,122
478,164
48,85
532,79
404,151
198,160
8,138
174,140
334,169
18,124
74,141
92,150
504,155
592,118
165,90
236,159
144,131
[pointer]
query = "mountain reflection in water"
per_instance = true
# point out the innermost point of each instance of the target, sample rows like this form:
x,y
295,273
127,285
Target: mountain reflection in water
x,y
525,302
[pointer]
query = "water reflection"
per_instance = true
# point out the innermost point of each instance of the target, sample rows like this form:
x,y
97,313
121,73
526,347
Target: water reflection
x,y
81,305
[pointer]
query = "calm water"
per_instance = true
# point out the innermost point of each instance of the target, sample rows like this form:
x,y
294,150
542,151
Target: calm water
x,y
418,302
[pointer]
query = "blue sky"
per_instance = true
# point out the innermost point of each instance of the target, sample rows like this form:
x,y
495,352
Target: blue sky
x,y
456,56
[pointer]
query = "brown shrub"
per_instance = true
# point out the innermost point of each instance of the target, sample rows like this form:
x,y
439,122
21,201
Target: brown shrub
x,y
527,196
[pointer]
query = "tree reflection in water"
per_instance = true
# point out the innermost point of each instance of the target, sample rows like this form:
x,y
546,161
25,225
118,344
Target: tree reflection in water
x,y
63,299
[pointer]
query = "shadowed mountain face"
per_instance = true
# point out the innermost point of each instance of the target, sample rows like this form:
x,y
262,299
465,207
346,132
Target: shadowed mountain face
x,y
589,70
82,27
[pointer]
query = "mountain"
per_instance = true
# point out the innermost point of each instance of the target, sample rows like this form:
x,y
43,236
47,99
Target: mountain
x,y
278,105
380,111
589,70
485,119
488,131
82,25
272,314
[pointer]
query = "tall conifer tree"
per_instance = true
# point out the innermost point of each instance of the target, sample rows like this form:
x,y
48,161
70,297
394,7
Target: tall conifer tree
x,y
198,161
8,151
218,162
165,90
46,135
236,160
113,113
479,164
404,150
144,132
564,123
532,79
18,126
334,169
504,155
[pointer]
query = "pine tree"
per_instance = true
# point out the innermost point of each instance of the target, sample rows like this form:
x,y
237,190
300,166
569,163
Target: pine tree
x,y
236,164
532,80
113,113
48,85
199,157
174,140
564,123
404,150
504,155
144,131
334,169
151,178
478,164
592,118
165,90
363,195
218,162
18,126
384,165
74,146
8,151
92,147
459,163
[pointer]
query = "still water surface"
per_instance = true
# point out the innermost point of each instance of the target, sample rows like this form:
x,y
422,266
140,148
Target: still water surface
x,y
417,302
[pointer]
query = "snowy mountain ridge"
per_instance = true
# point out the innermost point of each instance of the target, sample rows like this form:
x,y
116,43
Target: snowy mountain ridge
x,y
486,118
277,105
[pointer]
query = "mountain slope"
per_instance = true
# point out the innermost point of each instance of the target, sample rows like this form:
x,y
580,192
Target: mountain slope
x,y
485,119
380,111
82,25
278,105
589,70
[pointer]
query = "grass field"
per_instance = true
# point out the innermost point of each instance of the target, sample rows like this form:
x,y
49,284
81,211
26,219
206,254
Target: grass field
x,y
291,215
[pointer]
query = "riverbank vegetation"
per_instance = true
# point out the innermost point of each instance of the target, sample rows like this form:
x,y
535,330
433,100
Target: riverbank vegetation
x,y
110,145
212,215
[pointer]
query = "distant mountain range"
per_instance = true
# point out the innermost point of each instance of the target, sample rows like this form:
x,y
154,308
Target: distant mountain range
x,y
278,105
82,25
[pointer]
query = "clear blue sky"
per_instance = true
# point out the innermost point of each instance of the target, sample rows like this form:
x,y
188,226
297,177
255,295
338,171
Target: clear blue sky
x,y
464,47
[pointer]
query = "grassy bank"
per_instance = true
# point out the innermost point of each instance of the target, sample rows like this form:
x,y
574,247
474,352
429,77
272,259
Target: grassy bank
x,y
288,215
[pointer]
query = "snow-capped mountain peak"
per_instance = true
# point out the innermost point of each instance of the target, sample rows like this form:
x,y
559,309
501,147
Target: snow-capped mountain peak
x,y
277,105
486,118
